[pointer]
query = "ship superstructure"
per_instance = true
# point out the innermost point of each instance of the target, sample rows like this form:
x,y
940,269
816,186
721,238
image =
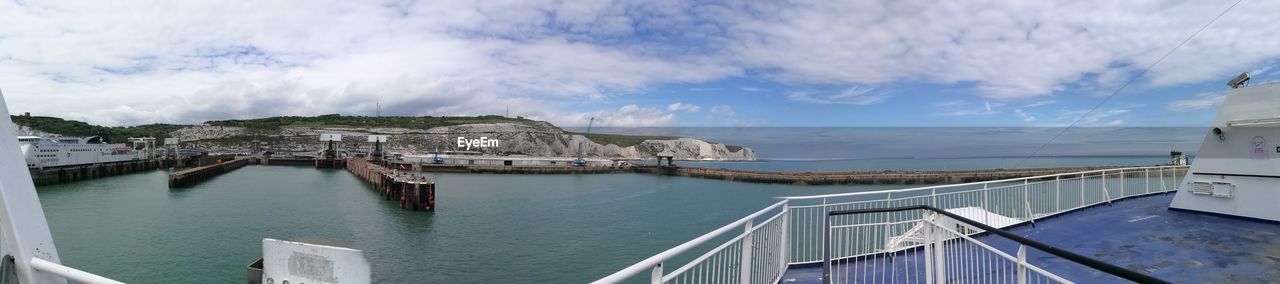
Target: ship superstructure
x,y
42,152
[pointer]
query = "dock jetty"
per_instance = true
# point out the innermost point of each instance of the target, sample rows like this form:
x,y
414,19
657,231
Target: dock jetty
x,y
192,176
56,175
798,178
413,191
868,177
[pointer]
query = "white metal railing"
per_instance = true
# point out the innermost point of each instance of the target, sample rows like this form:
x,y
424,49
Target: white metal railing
x,y
792,230
943,255
72,274
1000,204
756,255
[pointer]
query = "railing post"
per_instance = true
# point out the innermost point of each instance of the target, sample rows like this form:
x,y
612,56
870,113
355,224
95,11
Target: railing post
x,y
1146,177
928,248
655,276
986,218
939,253
784,256
1022,264
933,193
747,244
1026,201
1081,190
1057,194
1123,191
1162,185
1106,191
826,244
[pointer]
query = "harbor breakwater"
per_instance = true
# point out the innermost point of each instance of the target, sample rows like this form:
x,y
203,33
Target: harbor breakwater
x,y
797,178
869,177
191,176
412,191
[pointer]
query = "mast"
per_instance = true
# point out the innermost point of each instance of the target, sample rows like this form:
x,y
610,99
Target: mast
x,y
580,161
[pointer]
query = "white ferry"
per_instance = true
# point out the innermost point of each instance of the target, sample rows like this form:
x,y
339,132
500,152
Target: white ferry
x,y
41,152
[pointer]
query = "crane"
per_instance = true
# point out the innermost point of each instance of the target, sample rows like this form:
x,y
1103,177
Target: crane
x,y
580,162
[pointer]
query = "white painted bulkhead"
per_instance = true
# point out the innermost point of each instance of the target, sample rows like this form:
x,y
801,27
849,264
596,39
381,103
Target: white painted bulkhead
x,y
1238,172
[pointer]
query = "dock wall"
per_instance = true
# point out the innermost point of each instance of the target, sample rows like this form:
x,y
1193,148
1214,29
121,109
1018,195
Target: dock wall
x,y
192,176
876,177
48,176
492,169
412,191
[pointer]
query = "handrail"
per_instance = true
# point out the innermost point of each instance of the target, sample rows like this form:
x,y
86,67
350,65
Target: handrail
x,y
1083,260
806,197
649,263
75,275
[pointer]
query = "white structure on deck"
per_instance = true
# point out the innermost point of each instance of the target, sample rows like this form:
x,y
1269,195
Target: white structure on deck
x,y
1237,170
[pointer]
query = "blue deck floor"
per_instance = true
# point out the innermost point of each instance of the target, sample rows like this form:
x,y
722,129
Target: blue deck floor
x,y
1140,234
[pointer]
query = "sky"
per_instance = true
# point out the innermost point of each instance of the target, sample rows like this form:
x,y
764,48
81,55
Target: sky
x,y
636,63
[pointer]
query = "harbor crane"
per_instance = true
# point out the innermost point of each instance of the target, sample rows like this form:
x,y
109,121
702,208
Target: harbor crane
x,y
580,162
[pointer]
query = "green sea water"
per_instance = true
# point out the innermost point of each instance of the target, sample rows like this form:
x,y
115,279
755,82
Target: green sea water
x,y
488,228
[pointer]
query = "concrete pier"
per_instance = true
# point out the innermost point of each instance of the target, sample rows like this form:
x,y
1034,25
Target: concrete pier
x,y
192,176
412,191
874,177
56,175
491,169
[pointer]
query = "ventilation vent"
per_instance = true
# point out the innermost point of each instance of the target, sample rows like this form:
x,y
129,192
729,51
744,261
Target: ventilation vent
x,y
1202,187
1215,189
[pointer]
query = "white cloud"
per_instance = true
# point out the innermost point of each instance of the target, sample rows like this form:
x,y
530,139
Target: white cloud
x,y
966,108
1025,117
1040,103
1198,102
626,116
1007,49
724,115
850,96
678,106
127,62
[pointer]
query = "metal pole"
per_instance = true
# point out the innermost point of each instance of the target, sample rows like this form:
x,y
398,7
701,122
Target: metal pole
x,y
826,246
1022,264
1057,195
928,247
1106,191
784,255
655,276
939,254
1026,200
986,217
747,243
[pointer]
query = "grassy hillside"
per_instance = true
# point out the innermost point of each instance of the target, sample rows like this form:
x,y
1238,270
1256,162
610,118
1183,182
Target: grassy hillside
x,y
622,140
261,125
335,120
78,128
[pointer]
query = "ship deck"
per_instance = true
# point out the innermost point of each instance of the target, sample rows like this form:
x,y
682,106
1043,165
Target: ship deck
x,y
1140,234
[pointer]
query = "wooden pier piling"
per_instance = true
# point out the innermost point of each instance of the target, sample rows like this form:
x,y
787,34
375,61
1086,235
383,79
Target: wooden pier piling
x,y
412,191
